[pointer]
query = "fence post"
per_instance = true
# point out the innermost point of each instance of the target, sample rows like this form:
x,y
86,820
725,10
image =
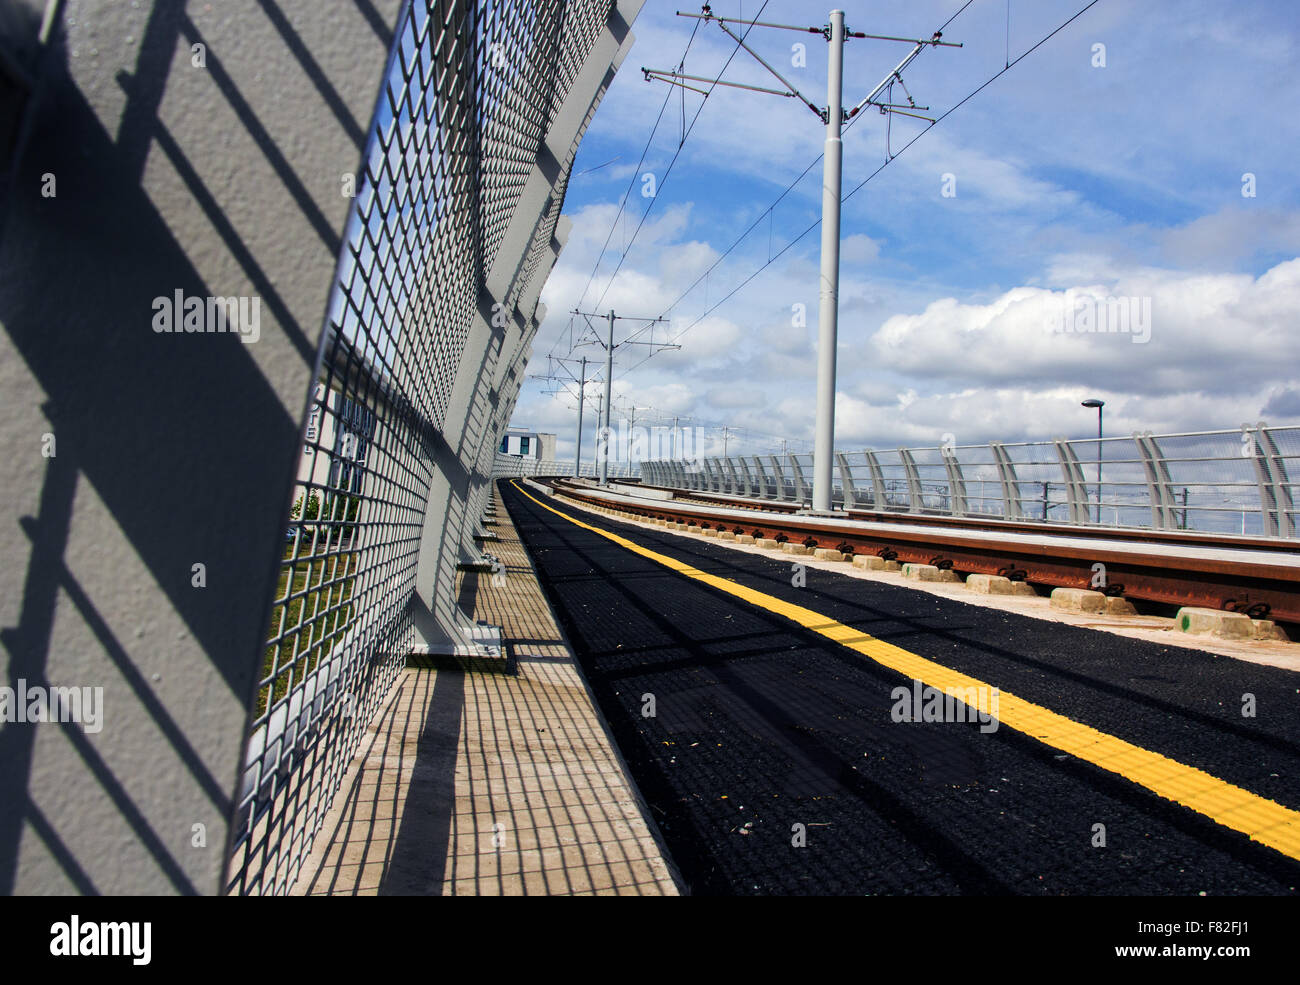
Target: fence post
x,y
1010,486
915,500
780,478
801,490
1076,491
761,477
1270,511
712,482
881,501
846,479
956,482
744,477
733,480
1281,482
1166,517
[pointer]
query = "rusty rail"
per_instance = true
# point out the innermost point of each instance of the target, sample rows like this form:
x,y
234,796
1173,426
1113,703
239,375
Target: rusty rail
x,y
1263,579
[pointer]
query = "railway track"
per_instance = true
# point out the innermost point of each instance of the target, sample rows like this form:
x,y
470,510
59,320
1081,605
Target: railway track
x,y
1256,576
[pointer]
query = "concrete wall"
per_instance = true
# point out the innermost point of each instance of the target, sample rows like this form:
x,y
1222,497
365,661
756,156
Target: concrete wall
x,y
168,450
201,148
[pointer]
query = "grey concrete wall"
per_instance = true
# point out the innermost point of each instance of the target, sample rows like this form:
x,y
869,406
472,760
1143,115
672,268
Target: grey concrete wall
x,y
170,450
201,148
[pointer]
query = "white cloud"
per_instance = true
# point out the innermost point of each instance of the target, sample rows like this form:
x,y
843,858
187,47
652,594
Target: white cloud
x,y
1104,182
858,248
1199,324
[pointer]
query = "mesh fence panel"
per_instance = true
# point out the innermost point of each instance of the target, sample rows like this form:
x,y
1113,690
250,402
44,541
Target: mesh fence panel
x,y
470,90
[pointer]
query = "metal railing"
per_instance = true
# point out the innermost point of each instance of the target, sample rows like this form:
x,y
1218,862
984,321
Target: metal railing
x,y
1223,482
512,466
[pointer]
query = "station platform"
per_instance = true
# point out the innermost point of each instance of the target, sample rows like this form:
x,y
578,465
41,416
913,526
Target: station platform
x,y
800,740
471,781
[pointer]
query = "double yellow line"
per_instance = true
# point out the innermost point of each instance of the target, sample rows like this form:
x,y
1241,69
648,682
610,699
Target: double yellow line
x,y
1261,819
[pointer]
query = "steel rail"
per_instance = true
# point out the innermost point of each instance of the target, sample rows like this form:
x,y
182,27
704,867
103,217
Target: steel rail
x,y
1049,558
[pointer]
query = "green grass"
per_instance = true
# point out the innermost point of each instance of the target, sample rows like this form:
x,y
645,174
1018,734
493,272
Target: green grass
x,y
327,580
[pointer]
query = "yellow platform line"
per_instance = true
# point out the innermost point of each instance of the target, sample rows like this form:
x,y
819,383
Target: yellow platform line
x,y
1259,818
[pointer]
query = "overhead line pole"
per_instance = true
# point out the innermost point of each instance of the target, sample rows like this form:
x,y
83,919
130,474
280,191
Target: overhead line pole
x,y
834,118
603,436
602,441
581,381
829,311
577,453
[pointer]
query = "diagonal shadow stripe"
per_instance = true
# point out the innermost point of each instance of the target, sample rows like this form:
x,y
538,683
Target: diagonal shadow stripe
x,y
28,645
314,72
54,844
265,142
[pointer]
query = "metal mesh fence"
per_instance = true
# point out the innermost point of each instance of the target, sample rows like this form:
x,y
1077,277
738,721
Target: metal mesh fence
x,y
1224,482
469,92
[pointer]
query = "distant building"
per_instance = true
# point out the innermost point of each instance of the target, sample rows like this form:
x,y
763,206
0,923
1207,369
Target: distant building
x,y
337,436
528,444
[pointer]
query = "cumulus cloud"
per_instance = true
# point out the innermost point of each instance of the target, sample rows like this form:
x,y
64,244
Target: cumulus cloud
x,y
1071,191
1206,332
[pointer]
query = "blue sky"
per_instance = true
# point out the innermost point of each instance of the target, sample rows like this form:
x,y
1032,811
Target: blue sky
x,y
1123,180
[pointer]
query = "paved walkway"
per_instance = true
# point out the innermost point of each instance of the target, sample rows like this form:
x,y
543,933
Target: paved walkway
x,y
474,782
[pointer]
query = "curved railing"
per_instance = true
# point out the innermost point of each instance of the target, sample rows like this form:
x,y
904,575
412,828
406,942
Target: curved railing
x,y
514,466
1226,482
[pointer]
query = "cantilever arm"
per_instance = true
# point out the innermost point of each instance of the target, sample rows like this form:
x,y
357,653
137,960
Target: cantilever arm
x,y
672,77
784,81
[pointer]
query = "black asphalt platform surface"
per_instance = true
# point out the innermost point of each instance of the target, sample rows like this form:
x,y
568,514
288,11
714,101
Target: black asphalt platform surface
x,y
761,726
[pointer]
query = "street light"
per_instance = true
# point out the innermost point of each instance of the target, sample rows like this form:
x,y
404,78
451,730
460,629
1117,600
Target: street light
x,y
1099,404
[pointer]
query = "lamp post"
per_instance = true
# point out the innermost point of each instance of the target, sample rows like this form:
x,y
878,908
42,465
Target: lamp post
x,y
1099,404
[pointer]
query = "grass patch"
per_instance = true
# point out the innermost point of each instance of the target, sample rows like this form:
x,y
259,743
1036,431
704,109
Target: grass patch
x,y
317,606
